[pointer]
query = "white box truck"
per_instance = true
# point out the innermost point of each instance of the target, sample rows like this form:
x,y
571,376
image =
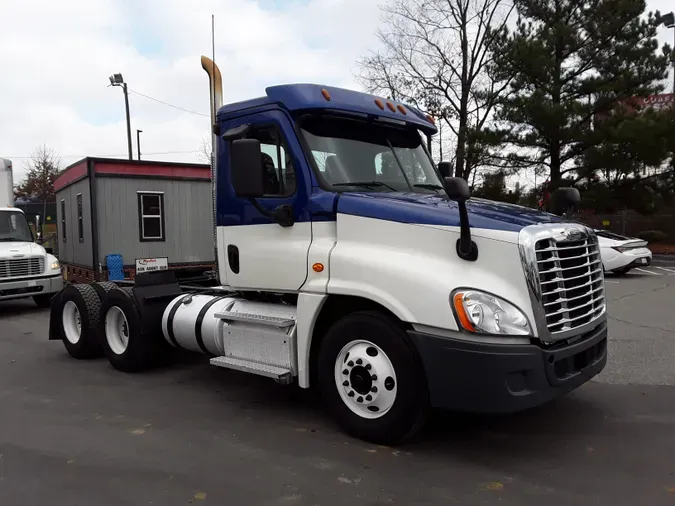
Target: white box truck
x,y
26,268
350,262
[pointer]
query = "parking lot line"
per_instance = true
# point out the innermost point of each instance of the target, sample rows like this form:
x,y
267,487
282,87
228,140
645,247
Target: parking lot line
x,y
665,269
648,272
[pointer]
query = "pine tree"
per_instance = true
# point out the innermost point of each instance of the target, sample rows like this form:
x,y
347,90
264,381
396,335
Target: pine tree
x,y
569,61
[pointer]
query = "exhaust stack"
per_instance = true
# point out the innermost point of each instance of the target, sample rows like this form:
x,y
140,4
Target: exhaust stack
x,y
216,87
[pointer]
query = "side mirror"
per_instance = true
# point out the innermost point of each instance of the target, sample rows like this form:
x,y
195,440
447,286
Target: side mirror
x,y
457,188
445,168
247,168
564,199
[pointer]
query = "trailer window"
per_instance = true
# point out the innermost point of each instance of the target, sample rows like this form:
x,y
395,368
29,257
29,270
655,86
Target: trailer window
x,y
80,224
151,216
63,220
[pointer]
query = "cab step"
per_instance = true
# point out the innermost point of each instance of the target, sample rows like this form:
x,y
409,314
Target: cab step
x,y
278,374
271,321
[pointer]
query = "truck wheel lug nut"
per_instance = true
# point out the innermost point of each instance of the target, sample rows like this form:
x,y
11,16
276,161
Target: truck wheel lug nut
x,y
359,399
351,394
345,371
350,363
345,383
359,361
368,367
374,389
374,377
369,397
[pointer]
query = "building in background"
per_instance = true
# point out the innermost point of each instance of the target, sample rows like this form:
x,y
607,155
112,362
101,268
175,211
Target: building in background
x,y
147,213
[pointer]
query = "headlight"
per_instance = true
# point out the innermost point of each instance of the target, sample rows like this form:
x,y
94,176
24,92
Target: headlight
x,y
481,312
55,265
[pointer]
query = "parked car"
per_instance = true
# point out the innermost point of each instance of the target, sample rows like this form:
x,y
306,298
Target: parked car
x,y
620,254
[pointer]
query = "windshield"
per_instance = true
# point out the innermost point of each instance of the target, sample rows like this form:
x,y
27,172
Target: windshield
x,y
353,155
14,227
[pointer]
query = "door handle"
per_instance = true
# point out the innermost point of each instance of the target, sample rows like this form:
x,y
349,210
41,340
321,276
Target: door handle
x,y
233,258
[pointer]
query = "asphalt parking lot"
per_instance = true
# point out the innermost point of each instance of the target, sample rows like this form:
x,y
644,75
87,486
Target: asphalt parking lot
x,y
80,433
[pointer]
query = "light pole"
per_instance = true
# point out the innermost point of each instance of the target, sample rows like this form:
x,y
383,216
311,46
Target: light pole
x,y
138,142
118,80
668,20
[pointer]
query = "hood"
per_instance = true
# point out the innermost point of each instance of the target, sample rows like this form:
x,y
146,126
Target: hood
x,y
20,250
431,209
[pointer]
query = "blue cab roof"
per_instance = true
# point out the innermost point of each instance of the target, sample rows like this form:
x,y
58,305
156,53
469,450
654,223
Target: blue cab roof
x,y
307,97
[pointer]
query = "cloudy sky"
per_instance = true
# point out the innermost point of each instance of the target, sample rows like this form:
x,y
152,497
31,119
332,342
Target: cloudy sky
x,y
57,57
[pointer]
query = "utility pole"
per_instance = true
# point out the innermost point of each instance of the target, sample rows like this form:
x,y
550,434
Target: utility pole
x,y
118,80
138,142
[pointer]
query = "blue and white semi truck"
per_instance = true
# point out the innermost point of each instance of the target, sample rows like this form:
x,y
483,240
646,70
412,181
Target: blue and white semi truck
x,y
351,263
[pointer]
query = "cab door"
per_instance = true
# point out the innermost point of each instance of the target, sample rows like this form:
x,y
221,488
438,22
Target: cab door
x,y
255,252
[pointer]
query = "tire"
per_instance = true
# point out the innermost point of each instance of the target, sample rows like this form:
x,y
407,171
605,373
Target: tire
x,y
622,271
128,348
80,309
43,301
382,419
103,287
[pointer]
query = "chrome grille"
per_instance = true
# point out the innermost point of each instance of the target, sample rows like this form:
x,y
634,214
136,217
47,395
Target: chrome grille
x,y
20,267
571,281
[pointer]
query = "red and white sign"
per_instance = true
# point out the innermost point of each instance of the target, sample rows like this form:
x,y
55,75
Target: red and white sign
x,y
151,264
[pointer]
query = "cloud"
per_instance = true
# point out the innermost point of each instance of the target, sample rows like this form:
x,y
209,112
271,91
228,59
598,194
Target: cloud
x,y
54,87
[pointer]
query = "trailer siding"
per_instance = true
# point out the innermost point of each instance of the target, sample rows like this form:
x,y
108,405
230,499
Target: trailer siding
x,y
73,251
188,220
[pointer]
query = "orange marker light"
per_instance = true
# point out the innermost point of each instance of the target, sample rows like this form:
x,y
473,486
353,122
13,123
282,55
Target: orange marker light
x,y
464,319
431,120
325,94
379,103
317,267
402,109
391,106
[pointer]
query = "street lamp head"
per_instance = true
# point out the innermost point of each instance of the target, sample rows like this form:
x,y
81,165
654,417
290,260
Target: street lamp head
x,y
116,79
668,20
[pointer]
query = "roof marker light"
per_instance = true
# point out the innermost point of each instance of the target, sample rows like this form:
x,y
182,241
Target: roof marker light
x,y
379,103
391,106
431,120
402,109
325,94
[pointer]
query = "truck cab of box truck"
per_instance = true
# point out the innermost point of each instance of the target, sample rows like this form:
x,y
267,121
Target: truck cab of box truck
x,y
26,268
351,263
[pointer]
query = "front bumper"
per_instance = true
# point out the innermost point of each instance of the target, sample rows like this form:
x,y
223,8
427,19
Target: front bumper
x,y
28,287
495,378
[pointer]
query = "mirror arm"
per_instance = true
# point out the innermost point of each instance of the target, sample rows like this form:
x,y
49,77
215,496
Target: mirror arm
x,y
283,214
466,248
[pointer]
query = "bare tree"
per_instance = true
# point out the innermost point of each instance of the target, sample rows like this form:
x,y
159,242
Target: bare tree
x,y
42,169
436,55
205,150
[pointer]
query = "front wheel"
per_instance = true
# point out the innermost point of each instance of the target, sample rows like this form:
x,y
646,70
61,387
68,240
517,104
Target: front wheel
x,y
371,378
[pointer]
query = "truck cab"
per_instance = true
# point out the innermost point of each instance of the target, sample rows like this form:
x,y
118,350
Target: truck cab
x,y
26,268
350,262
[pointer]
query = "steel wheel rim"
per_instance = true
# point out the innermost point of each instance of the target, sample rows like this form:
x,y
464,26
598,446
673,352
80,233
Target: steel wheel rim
x,y
365,379
72,322
116,330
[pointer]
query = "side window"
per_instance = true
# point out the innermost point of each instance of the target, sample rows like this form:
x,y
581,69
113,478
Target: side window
x,y
151,216
80,223
279,169
63,220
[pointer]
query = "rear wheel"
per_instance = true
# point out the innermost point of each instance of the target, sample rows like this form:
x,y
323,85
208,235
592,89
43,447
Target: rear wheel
x,y
79,307
127,346
371,378
622,271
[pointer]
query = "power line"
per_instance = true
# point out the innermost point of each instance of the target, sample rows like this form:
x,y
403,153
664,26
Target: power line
x,y
108,156
167,103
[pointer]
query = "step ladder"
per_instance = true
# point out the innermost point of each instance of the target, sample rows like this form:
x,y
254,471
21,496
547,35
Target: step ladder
x,y
269,341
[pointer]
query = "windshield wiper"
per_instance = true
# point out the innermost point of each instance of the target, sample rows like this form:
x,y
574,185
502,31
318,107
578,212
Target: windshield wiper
x,y
14,239
366,184
428,186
